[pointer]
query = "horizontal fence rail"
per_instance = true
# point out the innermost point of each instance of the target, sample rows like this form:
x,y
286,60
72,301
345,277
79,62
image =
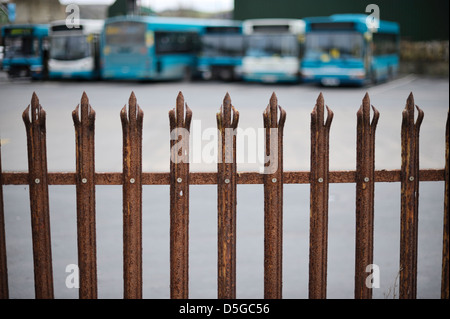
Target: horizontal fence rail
x,y
209,178
132,178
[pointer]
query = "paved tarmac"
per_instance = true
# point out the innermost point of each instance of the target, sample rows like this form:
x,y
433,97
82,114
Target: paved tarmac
x,y
156,99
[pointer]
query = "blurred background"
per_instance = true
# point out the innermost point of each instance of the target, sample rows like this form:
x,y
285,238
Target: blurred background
x,y
424,25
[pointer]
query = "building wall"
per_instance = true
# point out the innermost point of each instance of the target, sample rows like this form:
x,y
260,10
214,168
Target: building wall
x,y
38,11
122,7
3,16
419,20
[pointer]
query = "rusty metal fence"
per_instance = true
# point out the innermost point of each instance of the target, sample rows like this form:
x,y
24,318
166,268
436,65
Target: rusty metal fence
x,y
226,178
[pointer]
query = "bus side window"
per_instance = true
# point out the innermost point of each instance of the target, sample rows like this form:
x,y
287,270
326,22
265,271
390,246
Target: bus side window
x,y
163,43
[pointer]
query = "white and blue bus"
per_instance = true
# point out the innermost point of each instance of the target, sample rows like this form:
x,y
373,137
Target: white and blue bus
x,y
347,49
273,50
150,48
26,51
221,51
75,51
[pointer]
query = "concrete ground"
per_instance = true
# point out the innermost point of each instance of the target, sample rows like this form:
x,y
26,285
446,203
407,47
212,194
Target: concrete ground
x,y
156,99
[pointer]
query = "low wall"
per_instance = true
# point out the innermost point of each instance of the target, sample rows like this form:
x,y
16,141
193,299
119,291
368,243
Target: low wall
x,y
427,58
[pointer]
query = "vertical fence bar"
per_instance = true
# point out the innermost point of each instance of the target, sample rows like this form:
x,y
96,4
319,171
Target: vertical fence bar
x,y
365,186
226,188
273,200
445,246
85,185
4,291
40,216
409,200
132,198
179,199
319,200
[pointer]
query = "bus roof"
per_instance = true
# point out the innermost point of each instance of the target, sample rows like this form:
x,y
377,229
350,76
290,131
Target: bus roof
x,y
296,25
358,19
89,25
167,22
271,21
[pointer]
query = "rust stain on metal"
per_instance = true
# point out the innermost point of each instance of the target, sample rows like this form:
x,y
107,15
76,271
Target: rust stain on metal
x,y
409,200
179,199
179,178
227,121
319,180
132,198
445,245
85,185
273,201
210,178
37,179
365,186
4,291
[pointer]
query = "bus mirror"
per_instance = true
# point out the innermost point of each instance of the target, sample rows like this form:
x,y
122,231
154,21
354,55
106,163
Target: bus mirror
x,y
335,54
368,36
325,58
149,39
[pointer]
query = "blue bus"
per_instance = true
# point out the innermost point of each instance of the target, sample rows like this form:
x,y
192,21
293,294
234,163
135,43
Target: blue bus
x,y
345,49
221,50
273,50
75,52
26,50
150,48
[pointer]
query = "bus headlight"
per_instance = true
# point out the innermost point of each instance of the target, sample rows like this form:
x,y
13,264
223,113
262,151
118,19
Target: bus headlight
x,y
358,73
238,70
207,75
88,64
36,68
307,73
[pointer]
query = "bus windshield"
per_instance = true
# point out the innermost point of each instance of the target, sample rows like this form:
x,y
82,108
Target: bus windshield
x,y
222,45
21,46
126,33
69,47
272,45
338,45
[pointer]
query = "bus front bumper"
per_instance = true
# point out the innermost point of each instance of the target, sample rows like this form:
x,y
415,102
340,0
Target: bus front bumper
x,y
71,75
334,77
270,77
18,71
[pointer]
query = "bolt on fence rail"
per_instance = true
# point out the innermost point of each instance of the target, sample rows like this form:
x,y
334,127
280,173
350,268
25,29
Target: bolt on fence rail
x,y
180,178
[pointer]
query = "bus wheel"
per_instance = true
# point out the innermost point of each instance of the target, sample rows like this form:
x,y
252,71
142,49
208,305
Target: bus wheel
x,y
226,74
390,74
373,77
187,75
